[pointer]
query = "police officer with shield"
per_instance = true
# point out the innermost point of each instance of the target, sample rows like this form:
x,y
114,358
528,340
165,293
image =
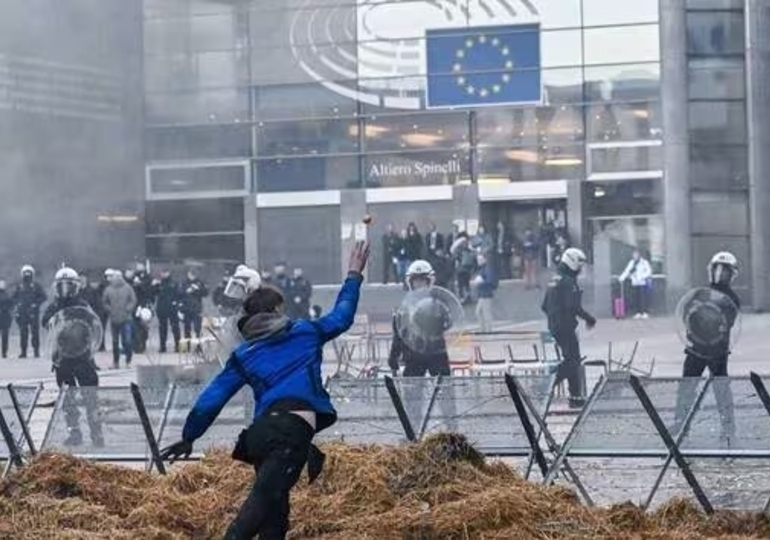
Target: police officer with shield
x,y
75,333
708,316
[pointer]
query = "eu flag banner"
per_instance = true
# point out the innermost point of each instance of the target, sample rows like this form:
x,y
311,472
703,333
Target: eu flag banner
x,y
491,65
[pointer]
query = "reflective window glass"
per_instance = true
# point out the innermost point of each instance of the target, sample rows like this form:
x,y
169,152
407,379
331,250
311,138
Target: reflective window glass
x,y
622,44
628,234
717,122
716,78
307,137
714,4
563,85
416,131
198,142
223,69
607,12
222,247
308,173
545,162
629,121
720,213
169,73
626,159
214,32
529,127
166,36
416,168
224,105
191,180
160,8
195,216
622,198
719,167
561,48
715,33
640,82
553,13
280,102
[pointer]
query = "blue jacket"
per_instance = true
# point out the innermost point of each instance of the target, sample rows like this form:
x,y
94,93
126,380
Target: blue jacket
x,y
486,288
285,366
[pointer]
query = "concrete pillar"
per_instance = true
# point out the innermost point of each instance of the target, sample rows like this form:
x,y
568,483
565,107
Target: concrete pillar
x,y
758,114
575,212
601,278
676,154
352,211
250,236
465,202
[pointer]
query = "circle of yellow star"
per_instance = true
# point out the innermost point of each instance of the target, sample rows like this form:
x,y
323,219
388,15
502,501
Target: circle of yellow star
x,y
496,88
468,43
484,92
471,89
482,38
457,67
509,64
506,77
460,53
461,81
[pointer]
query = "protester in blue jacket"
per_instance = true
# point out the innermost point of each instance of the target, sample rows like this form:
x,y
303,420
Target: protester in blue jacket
x,y
280,360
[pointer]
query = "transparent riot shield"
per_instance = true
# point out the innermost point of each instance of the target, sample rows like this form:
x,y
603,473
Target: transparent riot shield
x,y
74,332
708,320
428,319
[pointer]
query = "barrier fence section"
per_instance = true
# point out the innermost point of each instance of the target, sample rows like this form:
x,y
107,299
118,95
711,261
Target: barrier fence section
x,y
16,406
716,431
638,439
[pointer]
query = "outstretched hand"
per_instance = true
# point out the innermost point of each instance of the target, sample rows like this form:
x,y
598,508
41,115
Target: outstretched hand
x,y
358,257
176,451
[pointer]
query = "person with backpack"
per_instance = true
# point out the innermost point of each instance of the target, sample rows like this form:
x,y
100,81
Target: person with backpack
x,y
639,272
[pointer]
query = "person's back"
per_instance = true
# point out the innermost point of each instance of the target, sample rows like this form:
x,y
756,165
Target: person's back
x,y
119,300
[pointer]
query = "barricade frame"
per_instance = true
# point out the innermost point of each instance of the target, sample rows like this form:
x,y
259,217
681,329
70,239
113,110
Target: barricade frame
x,y
23,417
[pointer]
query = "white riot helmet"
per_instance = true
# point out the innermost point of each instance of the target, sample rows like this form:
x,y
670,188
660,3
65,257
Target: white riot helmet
x,y
66,282
243,282
27,269
723,268
144,314
420,269
573,258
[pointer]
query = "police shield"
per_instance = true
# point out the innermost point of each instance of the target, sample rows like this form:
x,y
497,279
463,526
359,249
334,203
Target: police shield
x,y
228,337
74,332
708,320
428,319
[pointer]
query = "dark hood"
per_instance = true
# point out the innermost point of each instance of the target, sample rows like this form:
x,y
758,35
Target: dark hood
x,y
263,325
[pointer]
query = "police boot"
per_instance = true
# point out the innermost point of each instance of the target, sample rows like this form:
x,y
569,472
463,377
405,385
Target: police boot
x,y
576,402
75,437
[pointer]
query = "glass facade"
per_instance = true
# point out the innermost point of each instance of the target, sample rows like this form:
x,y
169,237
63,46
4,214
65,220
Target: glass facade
x,y
331,94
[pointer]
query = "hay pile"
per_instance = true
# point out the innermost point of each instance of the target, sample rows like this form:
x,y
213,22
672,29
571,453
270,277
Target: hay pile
x,y
441,489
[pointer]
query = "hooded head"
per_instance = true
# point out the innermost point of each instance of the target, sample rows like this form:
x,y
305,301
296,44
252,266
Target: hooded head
x,y
27,273
263,314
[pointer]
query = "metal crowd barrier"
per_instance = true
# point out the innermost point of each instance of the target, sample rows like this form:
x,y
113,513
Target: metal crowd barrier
x,y
715,432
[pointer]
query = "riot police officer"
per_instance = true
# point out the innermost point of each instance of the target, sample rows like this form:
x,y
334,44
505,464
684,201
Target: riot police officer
x,y
28,298
72,358
563,306
168,300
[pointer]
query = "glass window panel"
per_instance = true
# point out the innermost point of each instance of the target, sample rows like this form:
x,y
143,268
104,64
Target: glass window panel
x,y
189,180
308,173
224,105
554,13
561,48
307,137
640,158
213,32
640,82
161,8
545,162
719,167
627,234
716,78
622,44
416,131
529,127
622,198
223,69
714,4
720,213
606,12
225,247
624,121
563,85
166,36
198,142
301,101
194,216
168,73
715,32
416,168
717,122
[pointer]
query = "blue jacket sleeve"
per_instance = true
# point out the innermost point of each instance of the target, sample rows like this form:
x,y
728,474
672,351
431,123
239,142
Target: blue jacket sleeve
x,y
340,319
209,404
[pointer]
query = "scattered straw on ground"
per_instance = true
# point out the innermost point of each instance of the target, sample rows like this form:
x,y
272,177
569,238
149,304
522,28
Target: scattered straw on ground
x,y
441,489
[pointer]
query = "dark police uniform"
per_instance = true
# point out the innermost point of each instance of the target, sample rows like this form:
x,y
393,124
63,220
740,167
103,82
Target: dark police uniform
x,y
563,306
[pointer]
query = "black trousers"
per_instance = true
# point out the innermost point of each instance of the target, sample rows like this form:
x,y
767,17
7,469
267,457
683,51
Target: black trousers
x,y
4,338
694,366
164,321
192,322
29,326
417,393
571,367
639,298
80,373
278,445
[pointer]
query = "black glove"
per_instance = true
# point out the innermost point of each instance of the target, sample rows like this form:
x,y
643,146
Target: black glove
x,y
176,451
